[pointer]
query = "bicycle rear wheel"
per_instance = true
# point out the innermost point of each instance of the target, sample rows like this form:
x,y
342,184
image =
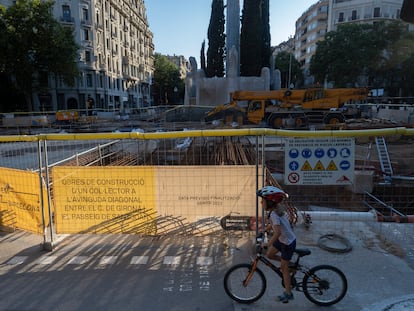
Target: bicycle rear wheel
x,y
235,278
325,285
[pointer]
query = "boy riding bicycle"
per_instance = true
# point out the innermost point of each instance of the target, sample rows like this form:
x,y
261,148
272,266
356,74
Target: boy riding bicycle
x,y
283,239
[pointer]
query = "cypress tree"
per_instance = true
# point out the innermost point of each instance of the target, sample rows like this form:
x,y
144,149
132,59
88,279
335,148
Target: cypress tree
x,y
216,40
266,47
255,37
203,56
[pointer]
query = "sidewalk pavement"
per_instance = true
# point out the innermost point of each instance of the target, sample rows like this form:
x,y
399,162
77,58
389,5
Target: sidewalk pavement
x,y
378,280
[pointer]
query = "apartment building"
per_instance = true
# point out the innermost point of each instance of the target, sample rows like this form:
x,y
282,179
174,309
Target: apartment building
x,y
326,15
310,28
115,56
181,62
362,11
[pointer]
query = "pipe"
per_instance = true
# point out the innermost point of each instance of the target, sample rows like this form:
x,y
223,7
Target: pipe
x,y
341,216
402,178
357,216
205,133
396,218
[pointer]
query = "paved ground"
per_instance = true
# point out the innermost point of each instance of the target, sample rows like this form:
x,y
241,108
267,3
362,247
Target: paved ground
x,y
380,272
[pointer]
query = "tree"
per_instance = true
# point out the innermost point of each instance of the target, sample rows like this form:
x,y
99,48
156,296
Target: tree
x,y
216,41
266,39
286,62
345,54
203,56
379,53
255,37
35,45
394,69
168,87
250,39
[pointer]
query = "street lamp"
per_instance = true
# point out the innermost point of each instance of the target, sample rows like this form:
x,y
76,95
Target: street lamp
x,y
175,94
290,68
290,61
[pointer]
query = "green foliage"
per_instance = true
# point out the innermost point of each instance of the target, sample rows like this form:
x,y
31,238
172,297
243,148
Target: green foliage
x,y
342,56
216,41
168,87
250,39
33,44
255,37
382,53
266,42
283,61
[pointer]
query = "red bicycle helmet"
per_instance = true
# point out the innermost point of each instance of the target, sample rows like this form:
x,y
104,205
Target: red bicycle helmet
x,y
272,193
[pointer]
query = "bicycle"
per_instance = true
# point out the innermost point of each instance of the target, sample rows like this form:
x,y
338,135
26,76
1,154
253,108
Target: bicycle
x,y
324,285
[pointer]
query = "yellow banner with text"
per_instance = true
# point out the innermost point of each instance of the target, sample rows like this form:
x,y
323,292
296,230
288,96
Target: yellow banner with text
x,y
138,199
104,200
21,201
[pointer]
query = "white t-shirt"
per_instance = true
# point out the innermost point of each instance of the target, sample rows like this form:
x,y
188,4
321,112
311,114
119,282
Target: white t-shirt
x,y
287,235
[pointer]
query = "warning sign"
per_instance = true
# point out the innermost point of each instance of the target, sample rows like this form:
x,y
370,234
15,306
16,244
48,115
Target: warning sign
x,y
332,166
319,166
306,166
319,161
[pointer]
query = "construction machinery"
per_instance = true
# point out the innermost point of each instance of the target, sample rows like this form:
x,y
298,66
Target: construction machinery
x,y
288,108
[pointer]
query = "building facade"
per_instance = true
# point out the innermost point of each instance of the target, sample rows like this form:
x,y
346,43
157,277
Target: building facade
x,y
326,15
362,11
181,62
115,57
310,28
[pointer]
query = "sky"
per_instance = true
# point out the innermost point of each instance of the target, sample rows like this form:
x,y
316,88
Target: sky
x,y
180,26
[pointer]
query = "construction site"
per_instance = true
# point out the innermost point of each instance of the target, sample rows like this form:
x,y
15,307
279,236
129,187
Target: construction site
x,y
386,159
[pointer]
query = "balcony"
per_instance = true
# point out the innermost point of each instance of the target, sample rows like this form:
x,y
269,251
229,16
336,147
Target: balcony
x,y
86,23
67,20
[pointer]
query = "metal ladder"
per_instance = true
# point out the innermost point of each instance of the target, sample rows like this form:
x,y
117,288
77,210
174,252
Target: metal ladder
x,y
384,158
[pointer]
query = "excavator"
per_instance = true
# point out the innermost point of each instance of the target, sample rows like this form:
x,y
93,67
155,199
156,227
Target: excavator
x,y
293,109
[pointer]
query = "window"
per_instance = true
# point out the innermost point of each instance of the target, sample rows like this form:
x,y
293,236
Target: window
x,y
341,17
66,13
354,15
86,34
87,56
89,80
85,14
81,78
43,79
377,12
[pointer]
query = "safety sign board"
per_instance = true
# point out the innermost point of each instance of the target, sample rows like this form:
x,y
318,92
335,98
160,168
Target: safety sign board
x,y
319,161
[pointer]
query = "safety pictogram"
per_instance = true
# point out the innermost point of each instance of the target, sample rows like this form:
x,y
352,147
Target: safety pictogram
x,y
293,178
332,166
306,166
343,179
319,166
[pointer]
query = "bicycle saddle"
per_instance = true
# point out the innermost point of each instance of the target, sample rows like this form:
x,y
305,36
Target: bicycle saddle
x,y
302,252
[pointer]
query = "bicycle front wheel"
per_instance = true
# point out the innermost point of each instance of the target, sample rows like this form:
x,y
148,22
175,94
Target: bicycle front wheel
x,y
244,285
325,285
